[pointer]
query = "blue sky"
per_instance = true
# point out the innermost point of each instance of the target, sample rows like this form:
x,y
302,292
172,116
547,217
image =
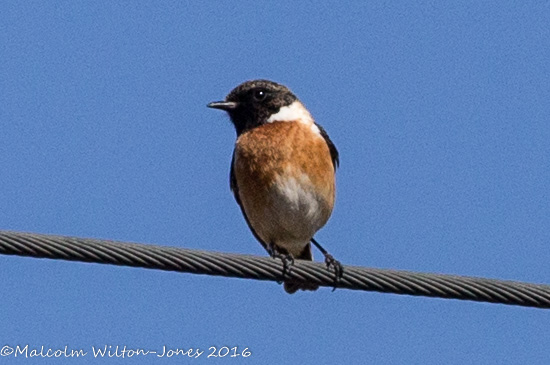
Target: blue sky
x,y
440,112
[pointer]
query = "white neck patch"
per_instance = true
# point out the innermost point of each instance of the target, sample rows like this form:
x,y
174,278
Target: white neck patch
x,y
292,113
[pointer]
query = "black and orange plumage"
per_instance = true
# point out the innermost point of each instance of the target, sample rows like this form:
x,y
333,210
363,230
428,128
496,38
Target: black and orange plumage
x,y
282,171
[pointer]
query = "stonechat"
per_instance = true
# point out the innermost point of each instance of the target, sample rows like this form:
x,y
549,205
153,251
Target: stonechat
x,y
282,172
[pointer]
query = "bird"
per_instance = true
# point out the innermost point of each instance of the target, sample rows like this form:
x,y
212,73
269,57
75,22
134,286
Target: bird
x,y
282,172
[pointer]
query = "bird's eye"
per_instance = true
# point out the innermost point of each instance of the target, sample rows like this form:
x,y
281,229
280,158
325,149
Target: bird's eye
x,y
260,94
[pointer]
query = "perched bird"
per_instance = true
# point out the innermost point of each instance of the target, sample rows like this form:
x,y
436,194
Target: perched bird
x,y
282,171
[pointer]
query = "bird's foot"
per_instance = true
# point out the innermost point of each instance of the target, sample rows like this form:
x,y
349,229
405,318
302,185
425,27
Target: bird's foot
x,y
286,258
336,266
331,262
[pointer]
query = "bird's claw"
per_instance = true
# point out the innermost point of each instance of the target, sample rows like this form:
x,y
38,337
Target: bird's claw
x,y
288,261
337,267
286,258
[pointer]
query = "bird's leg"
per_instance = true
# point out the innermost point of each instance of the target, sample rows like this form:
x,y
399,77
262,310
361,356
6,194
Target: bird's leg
x,y
286,258
331,262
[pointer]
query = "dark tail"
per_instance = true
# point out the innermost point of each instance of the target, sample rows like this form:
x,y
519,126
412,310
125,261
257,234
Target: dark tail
x,y
292,287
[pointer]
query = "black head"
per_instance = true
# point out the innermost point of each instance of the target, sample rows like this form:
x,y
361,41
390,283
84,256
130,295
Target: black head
x,y
251,103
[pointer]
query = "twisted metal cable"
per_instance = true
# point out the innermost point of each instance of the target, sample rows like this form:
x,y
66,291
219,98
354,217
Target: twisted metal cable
x,y
265,268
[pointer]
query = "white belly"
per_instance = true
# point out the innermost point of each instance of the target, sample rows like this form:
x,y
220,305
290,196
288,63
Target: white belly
x,y
293,214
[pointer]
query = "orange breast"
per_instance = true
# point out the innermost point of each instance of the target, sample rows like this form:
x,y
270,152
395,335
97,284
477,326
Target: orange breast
x,y
273,160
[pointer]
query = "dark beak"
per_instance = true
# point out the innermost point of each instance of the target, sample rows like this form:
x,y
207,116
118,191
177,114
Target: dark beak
x,y
223,105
